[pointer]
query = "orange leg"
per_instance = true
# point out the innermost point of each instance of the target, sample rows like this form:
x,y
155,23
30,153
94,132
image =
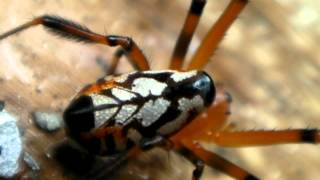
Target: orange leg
x,y
216,33
262,138
115,61
198,155
186,34
71,30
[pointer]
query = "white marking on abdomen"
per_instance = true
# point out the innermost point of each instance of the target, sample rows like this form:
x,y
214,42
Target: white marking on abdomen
x,y
122,94
185,105
125,112
147,86
99,99
151,111
102,116
180,76
159,71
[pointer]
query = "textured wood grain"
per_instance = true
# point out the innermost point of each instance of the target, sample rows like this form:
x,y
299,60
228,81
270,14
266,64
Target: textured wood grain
x,y
268,61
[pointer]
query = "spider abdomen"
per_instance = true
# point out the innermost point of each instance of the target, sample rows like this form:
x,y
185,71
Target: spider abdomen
x,y
141,104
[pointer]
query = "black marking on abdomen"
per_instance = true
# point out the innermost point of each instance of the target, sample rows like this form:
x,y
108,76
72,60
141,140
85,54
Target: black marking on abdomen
x,y
110,143
79,116
93,145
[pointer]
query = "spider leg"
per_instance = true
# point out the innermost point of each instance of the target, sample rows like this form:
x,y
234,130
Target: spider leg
x,y
115,61
264,137
186,34
197,162
216,33
198,155
73,31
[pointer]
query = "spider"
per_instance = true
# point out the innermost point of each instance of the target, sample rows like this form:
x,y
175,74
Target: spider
x,y
182,139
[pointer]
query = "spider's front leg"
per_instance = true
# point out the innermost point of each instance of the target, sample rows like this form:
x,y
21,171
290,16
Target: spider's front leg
x,y
74,31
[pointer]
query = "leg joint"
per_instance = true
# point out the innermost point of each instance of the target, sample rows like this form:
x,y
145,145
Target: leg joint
x,y
125,42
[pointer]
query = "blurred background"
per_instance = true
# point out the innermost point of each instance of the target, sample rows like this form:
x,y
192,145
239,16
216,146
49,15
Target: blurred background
x,y
269,61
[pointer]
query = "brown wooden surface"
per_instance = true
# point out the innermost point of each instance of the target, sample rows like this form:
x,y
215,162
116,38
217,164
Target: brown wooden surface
x,y
269,61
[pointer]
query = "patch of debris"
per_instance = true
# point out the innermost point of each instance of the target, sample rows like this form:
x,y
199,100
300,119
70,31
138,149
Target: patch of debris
x,y
48,121
10,145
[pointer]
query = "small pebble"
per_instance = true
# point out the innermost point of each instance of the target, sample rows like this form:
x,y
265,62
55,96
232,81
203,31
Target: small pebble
x,y
48,121
11,145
